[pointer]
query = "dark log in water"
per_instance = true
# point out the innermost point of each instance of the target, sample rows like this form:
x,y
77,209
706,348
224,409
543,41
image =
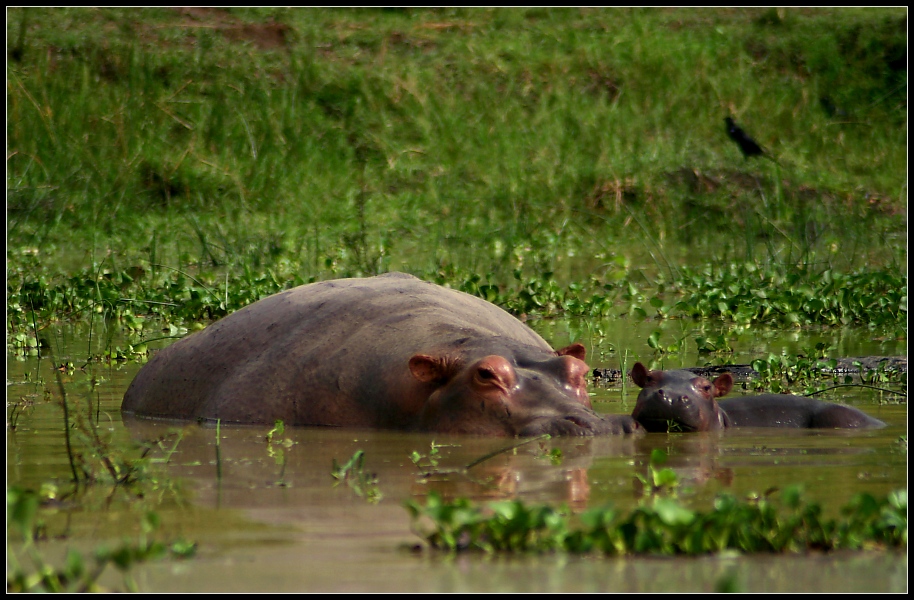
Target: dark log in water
x,y
741,373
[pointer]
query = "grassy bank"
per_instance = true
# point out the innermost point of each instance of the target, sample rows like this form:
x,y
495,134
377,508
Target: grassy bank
x,y
285,145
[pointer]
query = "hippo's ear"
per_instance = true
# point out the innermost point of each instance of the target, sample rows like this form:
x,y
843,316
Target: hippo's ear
x,y
428,369
575,350
640,375
723,385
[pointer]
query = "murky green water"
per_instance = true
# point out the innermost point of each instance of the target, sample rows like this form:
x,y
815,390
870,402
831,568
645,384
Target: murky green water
x,y
272,522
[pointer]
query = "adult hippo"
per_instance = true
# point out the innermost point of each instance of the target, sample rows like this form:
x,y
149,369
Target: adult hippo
x,y
687,401
389,352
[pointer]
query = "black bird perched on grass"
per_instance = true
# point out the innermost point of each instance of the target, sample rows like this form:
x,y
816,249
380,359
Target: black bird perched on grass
x,y
828,105
749,146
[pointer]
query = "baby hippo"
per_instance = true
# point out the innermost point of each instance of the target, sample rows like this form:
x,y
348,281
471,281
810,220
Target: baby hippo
x,y
685,401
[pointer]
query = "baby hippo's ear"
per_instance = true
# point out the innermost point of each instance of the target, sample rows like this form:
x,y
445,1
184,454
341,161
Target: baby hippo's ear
x,y
575,350
640,375
723,385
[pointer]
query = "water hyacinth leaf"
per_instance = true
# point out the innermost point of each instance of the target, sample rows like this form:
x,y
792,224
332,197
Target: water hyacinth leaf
x,y
658,456
74,565
665,477
672,513
898,499
507,510
792,495
653,340
22,507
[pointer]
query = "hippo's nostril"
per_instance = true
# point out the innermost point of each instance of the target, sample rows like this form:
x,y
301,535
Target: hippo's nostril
x,y
579,422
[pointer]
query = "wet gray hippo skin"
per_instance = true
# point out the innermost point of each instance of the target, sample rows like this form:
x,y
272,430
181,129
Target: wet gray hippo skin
x,y
688,401
389,352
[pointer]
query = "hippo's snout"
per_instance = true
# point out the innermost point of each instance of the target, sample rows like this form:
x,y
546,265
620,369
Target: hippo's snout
x,y
670,400
656,409
560,426
582,425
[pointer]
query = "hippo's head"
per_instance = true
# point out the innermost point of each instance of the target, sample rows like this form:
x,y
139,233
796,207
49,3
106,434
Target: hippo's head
x,y
493,395
679,399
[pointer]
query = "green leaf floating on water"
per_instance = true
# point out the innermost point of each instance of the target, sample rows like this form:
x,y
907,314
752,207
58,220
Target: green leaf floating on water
x,y
673,513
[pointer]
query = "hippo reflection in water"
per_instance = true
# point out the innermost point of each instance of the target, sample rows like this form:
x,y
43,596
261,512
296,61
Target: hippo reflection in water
x,y
389,352
687,402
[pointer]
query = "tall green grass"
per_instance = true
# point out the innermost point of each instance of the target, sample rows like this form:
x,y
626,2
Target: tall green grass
x,y
351,141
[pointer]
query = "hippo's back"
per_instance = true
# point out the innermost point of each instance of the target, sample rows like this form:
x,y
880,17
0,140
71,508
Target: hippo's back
x,y
784,410
303,354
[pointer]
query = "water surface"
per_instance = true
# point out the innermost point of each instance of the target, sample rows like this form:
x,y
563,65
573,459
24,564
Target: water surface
x,y
269,517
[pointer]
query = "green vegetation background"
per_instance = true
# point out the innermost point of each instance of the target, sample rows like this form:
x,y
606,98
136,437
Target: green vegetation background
x,y
188,161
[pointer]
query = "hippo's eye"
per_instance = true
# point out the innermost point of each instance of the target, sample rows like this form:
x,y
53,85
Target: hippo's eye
x,y
486,374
